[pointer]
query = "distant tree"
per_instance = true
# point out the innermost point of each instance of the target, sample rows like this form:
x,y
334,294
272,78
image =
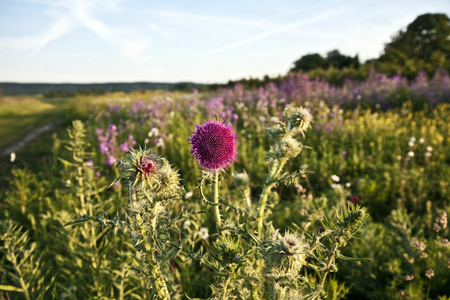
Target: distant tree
x,y
182,86
336,59
309,62
428,33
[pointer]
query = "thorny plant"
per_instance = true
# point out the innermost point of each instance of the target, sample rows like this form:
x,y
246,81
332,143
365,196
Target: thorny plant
x,y
249,258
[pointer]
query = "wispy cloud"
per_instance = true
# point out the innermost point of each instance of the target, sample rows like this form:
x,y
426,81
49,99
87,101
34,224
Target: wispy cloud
x,y
277,30
70,15
188,16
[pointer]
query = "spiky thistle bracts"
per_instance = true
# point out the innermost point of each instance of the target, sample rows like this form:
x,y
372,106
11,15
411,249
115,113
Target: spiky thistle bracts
x,y
299,120
146,171
286,252
214,145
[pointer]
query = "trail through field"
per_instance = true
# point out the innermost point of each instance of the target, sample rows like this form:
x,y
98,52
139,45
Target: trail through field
x,y
33,134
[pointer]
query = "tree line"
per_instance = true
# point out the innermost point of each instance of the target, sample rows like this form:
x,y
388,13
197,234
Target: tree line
x,y
423,46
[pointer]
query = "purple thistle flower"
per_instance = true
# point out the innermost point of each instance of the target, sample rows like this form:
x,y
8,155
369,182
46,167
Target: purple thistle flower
x,y
214,145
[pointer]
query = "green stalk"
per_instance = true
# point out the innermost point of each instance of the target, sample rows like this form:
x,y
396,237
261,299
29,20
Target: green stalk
x,y
270,183
161,287
330,259
216,201
132,193
271,289
262,206
248,201
22,282
428,291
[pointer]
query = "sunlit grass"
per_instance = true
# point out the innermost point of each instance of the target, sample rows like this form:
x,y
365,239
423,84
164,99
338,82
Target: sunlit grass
x,y
20,114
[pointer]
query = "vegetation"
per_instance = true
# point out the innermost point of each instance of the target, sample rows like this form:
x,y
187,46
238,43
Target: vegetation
x,y
380,143
18,115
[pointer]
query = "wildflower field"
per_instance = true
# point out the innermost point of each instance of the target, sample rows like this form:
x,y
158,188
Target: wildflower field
x,y
296,190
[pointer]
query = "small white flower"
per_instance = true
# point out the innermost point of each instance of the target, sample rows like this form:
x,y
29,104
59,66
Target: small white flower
x,y
275,119
305,166
153,132
186,224
422,140
203,233
348,184
429,148
411,154
68,183
146,141
428,154
412,139
160,143
399,157
13,157
411,144
188,195
172,114
335,185
335,178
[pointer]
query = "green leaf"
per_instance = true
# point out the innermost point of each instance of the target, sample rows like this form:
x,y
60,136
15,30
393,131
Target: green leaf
x,y
10,288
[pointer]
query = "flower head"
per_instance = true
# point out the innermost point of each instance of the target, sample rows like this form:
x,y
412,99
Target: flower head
x,y
203,233
299,120
286,251
139,166
214,145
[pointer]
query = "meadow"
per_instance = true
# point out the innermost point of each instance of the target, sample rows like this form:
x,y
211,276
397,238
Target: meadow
x,y
335,193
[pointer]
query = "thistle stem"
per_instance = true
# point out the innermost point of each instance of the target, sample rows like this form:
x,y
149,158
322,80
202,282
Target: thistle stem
x,y
132,193
270,183
330,259
262,206
216,201
161,287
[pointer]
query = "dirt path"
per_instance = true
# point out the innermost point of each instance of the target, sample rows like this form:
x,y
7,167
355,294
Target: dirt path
x,y
33,134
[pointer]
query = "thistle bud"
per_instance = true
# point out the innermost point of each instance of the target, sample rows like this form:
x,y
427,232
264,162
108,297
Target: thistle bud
x,y
284,252
354,218
300,120
290,147
168,182
146,171
227,249
277,131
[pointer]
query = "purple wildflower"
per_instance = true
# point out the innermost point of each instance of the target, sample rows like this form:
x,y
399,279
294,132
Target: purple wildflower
x,y
111,160
125,147
214,145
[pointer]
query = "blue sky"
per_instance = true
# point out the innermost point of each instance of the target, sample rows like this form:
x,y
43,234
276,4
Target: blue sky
x,y
210,41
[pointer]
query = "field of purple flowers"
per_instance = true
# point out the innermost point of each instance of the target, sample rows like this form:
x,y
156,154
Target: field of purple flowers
x,y
381,144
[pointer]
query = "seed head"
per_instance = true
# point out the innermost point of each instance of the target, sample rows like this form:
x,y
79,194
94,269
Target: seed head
x,y
214,145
